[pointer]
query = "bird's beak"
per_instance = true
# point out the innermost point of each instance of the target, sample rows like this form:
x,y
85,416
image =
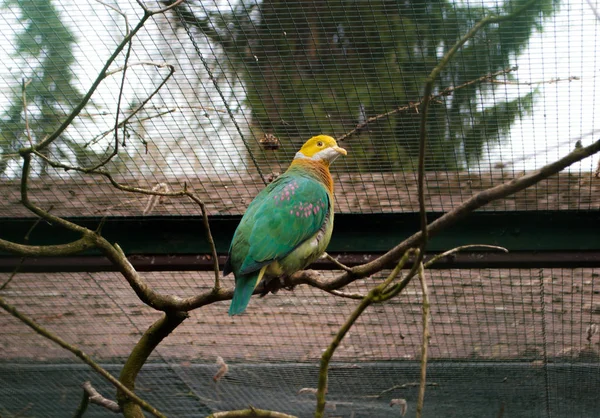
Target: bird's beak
x,y
340,150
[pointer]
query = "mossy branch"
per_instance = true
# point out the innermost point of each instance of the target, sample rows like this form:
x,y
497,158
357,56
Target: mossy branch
x,y
24,250
138,356
372,297
424,342
81,355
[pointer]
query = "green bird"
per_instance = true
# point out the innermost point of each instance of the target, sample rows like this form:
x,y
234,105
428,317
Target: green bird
x,y
288,224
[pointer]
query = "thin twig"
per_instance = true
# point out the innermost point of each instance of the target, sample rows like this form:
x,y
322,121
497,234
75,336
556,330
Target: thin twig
x,y
95,398
402,386
25,114
123,15
154,12
140,106
594,9
416,105
136,63
355,296
535,83
119,99
81,355
425,342
83,405
373,296
209,237
461,248
337,263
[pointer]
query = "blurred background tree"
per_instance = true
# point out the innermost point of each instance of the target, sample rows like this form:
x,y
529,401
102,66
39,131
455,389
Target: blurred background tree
x,y
323,66
44,54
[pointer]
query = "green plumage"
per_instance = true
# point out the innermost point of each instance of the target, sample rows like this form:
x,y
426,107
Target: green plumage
x,y
286,227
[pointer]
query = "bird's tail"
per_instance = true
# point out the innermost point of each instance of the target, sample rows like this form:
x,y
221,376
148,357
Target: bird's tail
x,y
244,287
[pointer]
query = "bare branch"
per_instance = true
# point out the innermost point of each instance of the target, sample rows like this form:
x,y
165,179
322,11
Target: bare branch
x,y
137,109
25,114
414,106
138,356
425,110
69,119
425,341
594,9
123,15
336,262
95,398
536,83
461,248
250,413
154,12
373,296
209,238
24,250
475,202
119,99
83,405
81,355
223,369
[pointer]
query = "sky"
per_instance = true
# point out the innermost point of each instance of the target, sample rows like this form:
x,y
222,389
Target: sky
x,y
565,110
561,62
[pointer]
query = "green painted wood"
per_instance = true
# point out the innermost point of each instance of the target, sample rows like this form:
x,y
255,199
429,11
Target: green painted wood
x,y
517,231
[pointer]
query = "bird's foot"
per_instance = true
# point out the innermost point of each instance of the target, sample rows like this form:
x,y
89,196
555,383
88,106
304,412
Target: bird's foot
x,y
273,285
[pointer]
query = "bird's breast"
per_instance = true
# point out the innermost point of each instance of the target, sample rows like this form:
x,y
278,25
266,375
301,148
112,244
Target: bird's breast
x,y
307,252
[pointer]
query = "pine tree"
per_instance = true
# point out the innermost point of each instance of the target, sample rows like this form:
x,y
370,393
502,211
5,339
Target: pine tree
x,y
325,65
44,50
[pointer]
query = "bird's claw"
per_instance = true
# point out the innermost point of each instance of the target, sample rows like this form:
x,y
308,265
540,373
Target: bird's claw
x,y
273,285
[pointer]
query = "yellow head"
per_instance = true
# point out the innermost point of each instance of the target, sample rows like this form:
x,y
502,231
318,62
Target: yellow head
x,y
321,148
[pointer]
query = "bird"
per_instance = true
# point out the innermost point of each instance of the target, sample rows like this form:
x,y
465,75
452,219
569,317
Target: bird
x,y
289,223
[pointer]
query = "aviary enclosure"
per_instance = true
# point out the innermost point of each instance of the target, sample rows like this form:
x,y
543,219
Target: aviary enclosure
x,y
463,275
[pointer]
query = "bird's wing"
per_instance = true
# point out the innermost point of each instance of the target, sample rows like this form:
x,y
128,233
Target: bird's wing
x,y
287,214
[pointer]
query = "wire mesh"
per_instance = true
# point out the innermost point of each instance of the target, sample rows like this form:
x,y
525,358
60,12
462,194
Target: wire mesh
x,y
519,342
246,69
493,319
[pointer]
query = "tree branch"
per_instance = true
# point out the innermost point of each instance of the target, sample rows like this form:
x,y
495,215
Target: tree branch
x,y
91,395
250,413
81,355
415,106
373,296
140,353
477,201
24,250
425,342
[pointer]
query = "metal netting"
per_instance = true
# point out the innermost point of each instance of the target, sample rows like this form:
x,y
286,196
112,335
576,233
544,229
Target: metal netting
x,y
513,327
238,76
245,84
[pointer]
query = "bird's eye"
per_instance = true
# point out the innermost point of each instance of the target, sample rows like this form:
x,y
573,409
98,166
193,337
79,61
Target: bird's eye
x,y
319,144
